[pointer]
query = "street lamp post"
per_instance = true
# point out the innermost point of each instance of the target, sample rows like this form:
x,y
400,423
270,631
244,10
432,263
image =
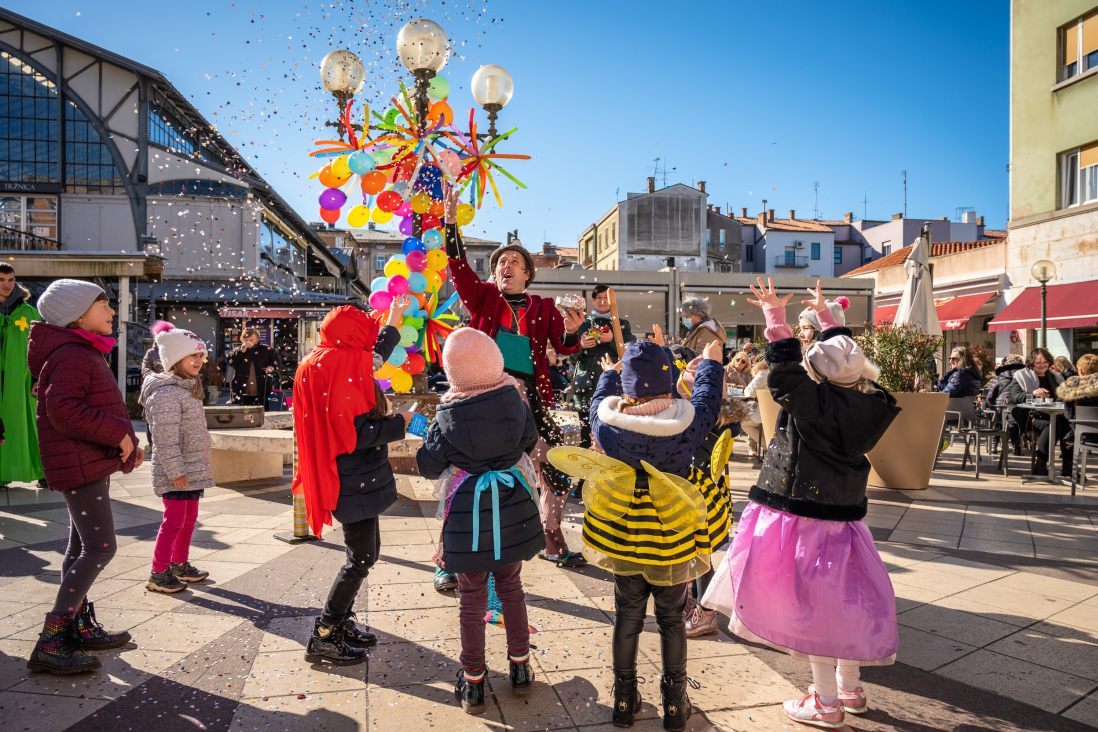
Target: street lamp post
x,y
343,75
1044,271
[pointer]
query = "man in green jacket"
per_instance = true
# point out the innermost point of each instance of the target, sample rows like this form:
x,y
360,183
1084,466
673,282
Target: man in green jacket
x,y
596,341
19,457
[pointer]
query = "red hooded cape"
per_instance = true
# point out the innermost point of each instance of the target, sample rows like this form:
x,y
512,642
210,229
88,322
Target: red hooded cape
x,y
333,385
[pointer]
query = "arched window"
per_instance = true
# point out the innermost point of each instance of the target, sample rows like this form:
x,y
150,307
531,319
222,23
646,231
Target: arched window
x,y
28,124
89,167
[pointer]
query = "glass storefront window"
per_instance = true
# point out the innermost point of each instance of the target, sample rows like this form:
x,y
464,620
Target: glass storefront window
x,y
1084,340
89,167
28,124
31,214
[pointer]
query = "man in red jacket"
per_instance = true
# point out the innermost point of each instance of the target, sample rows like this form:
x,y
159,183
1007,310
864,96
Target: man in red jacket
x,y
522,325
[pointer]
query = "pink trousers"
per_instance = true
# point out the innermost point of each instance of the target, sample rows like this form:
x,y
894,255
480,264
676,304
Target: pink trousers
x,y
173,542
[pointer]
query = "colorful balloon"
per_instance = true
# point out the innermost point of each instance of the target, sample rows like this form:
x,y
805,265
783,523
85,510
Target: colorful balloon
x,y
398,284
389,201
328,179
330,216
340,167
434,282
414,365
432,239
438,208
358,217
385,384
383,156
436,260
405,210
381,217
360,163
333,199
380,300
398,356
438,87
407,225
408,335
440,110
451,162
431,222
465,214
395,267
401,382
379,283
391,115
373,182
386,371
417,282
416,261
412,244
421,202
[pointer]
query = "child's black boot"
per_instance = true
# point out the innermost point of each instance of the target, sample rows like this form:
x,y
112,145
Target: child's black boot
x,y
522,674
355,636
470,694
676,704
627,698
89,635
326,645
56,651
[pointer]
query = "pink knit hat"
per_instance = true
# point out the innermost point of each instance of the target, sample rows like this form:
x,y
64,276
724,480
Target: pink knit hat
x,y
473,364
840,361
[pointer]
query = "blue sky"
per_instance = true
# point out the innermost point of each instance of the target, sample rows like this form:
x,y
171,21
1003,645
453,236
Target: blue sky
x,y
760,100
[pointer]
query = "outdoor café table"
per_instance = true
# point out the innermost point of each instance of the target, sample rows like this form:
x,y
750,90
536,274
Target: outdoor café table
x,y
1053,411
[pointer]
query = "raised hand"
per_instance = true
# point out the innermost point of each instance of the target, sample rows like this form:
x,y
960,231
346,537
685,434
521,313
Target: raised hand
x,y
450,200
818,302
609,364
657,336
768,298
396,310
714,350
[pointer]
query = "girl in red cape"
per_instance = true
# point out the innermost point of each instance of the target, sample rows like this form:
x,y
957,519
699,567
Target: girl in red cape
x,y
343,427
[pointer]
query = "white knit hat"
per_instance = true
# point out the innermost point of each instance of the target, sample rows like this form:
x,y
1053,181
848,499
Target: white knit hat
x,y
176,344
839,360
65,301
837,308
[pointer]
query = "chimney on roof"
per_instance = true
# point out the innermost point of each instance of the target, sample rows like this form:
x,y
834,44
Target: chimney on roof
x,y
897,217
979,220
762,219
792,214
717,209
701,186
708,207
371,226
743,213
848,218
770,214
651,184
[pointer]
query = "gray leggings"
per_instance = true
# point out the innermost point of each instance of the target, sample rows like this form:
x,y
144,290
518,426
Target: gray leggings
x,y
91,542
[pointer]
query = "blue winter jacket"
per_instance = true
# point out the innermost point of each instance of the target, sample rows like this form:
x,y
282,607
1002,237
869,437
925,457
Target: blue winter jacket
x,y
666,441
961,382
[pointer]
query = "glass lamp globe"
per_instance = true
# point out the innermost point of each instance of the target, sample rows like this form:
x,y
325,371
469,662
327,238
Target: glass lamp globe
x,y
342,71
492,85
1043,271
422,44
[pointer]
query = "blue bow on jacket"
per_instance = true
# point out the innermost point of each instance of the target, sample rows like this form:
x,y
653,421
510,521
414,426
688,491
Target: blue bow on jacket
x,y
492,479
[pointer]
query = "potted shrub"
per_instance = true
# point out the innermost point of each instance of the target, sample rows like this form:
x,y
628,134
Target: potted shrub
x,y
904,457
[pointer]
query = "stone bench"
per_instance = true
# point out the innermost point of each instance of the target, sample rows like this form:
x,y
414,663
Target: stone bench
x,y
249,454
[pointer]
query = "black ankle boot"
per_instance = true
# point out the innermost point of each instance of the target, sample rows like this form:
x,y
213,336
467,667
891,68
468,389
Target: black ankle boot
x,y
676,704
627,699
326,645
354,636
470,694
90,635
1067,459
56,651
522,677
1040,466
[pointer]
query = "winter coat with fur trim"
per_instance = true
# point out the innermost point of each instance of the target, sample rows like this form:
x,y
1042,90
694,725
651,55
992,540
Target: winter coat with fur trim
x,y
1078,391
816,463
667,440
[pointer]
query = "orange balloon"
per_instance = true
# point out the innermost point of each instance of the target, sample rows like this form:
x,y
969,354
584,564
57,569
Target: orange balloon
x,y
386,371
373,182
437,209
329,216
440,109
330,179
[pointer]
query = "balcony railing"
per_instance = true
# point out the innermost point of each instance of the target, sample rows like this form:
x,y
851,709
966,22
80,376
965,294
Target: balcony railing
x,y
790,260
587,261
15,240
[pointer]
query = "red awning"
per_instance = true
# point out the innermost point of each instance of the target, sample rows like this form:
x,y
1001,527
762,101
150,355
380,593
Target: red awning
x,y
1071,305
953,312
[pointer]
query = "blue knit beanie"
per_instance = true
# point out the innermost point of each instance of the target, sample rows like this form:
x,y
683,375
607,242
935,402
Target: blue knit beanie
x,y
645,370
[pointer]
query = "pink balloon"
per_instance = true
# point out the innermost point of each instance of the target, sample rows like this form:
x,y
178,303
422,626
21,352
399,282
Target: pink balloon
x,y
416,260
407,225
450,159
405,209
381,300
398,285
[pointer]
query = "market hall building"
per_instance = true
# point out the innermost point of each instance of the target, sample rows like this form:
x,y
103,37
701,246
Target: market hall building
x,y
101,155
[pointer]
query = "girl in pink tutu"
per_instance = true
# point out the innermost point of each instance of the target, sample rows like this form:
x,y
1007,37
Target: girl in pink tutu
x,y
803,575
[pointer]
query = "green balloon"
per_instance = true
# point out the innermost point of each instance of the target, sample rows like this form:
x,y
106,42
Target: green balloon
x,y
408,335
438,87
384,156
391,115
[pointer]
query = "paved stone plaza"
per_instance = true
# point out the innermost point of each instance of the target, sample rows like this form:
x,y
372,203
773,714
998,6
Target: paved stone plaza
x,y
996,585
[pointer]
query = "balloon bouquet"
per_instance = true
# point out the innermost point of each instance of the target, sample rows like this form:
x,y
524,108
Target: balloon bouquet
x,y
401,173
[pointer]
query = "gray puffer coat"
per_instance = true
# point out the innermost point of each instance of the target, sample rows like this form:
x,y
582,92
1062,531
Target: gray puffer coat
x,y
178,424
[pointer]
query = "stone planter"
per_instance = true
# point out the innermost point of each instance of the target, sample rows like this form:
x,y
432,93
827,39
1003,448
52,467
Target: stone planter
x,y
904,458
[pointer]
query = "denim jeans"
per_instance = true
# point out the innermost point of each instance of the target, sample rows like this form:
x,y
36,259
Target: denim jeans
x,y
363,540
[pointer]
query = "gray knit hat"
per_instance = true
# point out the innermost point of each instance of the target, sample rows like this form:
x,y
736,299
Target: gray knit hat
x,y
837,308
65,301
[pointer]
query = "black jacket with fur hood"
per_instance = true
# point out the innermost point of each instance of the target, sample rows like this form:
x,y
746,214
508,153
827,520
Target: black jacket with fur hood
x,y
1078,391
816,464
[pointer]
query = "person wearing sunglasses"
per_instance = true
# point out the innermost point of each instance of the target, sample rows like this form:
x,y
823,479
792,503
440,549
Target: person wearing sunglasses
x,y
964,378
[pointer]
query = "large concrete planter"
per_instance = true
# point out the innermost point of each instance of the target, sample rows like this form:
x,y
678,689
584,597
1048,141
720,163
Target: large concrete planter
x,y
904,457
768,414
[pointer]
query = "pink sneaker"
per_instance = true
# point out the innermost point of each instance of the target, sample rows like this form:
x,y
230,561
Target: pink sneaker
x,y
853,701
810,710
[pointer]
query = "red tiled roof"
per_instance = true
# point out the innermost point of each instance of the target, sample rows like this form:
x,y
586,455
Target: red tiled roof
x,y
937,249
787,224
565,252
995,233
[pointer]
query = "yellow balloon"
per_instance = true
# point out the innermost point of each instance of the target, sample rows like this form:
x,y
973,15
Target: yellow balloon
x,y
386,371
421,203
396,267
358,217
401,381
436,260
381,217
340,167
465,214
434,280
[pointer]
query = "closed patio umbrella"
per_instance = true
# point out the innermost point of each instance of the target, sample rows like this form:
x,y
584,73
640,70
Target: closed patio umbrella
x,y
917,304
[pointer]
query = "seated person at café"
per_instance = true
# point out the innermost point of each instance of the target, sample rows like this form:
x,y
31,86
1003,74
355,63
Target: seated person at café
x,y
1038,381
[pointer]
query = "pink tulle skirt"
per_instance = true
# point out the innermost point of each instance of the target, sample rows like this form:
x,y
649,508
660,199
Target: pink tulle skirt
x,y
815,589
